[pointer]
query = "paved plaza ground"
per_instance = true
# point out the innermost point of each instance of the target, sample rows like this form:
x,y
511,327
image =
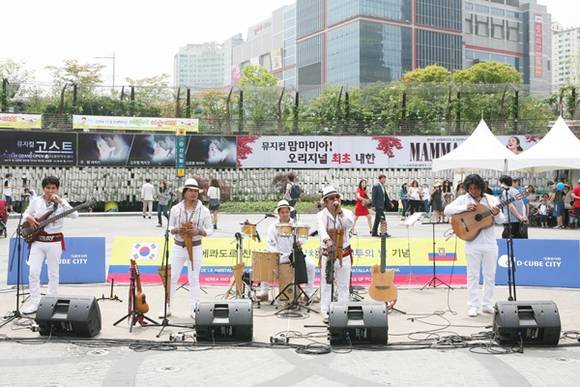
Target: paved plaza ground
x,y
420,351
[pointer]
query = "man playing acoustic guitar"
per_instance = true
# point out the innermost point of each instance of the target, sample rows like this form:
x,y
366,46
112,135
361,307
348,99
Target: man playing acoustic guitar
x,y
49,243
483,249
189,221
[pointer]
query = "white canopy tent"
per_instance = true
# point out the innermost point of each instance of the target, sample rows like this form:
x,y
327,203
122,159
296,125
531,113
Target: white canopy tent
x,y
559,149
481,150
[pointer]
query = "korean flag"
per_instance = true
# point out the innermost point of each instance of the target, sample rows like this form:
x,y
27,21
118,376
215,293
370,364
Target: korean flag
x,y
144,251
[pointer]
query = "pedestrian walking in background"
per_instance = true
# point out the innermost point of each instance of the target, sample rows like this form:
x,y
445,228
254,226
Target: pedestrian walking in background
x,y
163,197
361,206
147,196
214,196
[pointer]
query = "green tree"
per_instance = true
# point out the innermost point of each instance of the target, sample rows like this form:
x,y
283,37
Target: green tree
x,y
257,76
85,76
488,73
260,97
429,74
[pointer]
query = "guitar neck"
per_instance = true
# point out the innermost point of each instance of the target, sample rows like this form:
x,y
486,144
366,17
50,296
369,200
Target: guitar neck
x,y
62,215
508,201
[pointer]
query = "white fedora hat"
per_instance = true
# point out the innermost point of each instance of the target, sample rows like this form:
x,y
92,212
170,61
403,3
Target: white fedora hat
x,y
191,184
329,191
283,204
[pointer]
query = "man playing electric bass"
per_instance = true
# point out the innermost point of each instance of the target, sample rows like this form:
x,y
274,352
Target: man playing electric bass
x,y
482,250
49,243
334,225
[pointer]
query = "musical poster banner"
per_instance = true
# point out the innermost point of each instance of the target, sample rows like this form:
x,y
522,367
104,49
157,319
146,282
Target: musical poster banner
x,y
135,123
20,121
83,262
139,150
355,151
211,151
411,261
38,148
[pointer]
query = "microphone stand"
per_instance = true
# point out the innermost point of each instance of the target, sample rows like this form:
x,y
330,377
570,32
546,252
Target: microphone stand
x,y
167,291
16,314
510,252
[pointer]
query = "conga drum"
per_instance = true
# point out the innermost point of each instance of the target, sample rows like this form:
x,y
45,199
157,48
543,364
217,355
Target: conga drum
x,y
284,229
249,230
264,266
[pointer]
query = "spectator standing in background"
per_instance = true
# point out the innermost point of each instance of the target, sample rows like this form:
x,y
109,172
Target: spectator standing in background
x,y
404,197
426,196
147,196
214,196
557,199
379,200
361,206
576,204
437,201
7,186
163,201
543,212
415,201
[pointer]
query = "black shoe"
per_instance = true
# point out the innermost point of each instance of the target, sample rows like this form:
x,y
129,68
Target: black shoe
x,y
387,235
215,226
374,235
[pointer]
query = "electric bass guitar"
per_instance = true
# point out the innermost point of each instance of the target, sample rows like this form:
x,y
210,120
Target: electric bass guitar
x,y
29,234
467,225
382,287
140,301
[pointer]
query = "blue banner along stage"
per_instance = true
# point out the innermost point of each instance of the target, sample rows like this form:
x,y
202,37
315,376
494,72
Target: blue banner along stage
x,y
544,262
82,262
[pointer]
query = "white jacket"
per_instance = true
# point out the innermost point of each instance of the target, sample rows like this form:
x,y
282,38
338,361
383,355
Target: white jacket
x,y
200,218
325,221
486,237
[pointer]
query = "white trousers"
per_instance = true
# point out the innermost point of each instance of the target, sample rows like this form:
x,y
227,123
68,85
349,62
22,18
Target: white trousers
x,y
38,252
179,257
310,272
147,207
341,281
478,257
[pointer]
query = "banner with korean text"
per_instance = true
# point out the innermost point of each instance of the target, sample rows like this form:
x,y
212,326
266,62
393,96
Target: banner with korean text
x,y
354,151
20,121
135,123
38,148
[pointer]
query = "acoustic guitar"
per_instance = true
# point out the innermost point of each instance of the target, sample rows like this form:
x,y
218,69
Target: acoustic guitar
x,y
382,287
468,224
29,234
140,301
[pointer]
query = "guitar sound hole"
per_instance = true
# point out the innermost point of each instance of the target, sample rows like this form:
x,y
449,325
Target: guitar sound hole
x,y
478,217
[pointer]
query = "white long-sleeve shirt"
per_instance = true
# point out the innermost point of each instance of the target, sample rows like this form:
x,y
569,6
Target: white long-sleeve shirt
x,y
325,220
38,207
283,245
200,217
147,191
487,235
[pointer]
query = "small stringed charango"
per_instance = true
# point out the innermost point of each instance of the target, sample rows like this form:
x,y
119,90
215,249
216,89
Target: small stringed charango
x,y
382,287
468,224
140,301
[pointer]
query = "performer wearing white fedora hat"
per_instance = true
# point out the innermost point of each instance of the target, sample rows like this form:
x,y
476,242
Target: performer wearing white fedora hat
x,y
332,221
284,245
188,219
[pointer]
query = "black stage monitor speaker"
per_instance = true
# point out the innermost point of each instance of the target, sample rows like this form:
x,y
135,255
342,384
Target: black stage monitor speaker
x,y
229,320
533,322
68,316
358,323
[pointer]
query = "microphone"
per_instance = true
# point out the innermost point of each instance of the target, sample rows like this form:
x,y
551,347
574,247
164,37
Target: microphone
x,y
336,204
238,235
269,215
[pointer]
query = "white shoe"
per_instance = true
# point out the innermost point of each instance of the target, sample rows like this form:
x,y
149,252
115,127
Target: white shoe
x,y
162,313
488,309
29,308
472,312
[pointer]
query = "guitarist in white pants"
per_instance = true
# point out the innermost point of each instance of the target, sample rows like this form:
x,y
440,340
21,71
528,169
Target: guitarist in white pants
x,y
50,242
481,251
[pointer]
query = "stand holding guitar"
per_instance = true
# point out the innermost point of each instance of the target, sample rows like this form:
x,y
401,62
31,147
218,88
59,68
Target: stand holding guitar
x,y
137,303
382,286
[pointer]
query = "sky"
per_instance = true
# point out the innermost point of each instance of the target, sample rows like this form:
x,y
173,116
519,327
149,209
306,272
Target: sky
x,y
143,34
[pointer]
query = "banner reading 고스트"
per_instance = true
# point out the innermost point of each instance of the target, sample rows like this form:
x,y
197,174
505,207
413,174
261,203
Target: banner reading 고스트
x,y
354,151
37,148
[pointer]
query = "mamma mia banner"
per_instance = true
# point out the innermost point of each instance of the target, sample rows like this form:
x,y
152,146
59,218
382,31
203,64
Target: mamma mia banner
x,y
354,151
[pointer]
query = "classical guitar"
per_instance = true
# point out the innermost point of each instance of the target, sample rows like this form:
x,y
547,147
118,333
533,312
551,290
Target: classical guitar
x,y
28,233
467,225
140,301
382,287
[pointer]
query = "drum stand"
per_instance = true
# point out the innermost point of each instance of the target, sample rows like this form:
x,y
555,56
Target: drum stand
x,y
297,290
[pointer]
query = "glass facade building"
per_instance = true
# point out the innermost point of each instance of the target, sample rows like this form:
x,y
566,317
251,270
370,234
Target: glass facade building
x,y
355,42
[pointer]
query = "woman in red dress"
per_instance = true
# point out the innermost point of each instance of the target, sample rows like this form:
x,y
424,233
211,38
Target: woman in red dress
x,y
361,206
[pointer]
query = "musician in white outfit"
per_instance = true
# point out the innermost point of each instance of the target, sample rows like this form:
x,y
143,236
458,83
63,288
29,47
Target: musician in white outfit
x,y
50,241
284,245
189,210
331,218
483,250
